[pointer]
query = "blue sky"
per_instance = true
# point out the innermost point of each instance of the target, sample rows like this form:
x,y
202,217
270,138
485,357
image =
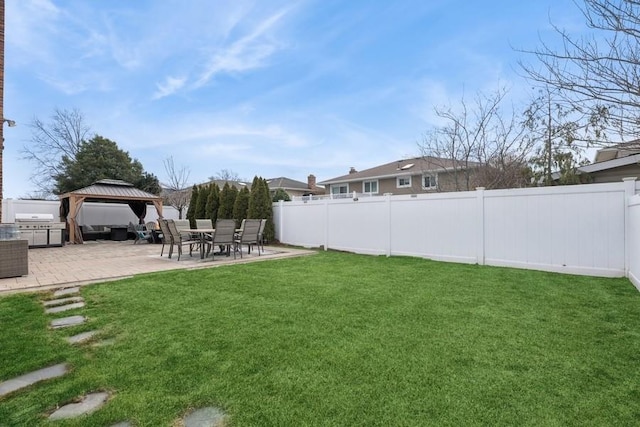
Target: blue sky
x,y
269,88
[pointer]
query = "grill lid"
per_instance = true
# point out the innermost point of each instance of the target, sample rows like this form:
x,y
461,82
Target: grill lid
x,y
40,217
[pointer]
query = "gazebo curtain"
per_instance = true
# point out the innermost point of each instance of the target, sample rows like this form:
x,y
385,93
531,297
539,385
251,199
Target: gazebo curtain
x,y
139,208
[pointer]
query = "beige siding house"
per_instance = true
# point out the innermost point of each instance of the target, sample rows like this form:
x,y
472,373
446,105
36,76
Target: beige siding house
x,y
408,176
611,164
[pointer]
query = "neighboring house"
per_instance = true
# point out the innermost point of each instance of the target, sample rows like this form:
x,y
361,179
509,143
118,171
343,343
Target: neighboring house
x,y
409,176
613,163
296,188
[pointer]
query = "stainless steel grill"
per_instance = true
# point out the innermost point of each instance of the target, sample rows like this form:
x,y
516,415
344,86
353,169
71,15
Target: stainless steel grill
x,y
40,230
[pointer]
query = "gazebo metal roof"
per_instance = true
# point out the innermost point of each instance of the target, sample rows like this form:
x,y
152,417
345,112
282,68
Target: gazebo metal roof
x,y
104,190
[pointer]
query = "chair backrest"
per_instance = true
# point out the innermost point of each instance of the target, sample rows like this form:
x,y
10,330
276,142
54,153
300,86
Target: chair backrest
x,y
182,224
250,231
204,223
164,228
173,231
151,225
263,223
225,232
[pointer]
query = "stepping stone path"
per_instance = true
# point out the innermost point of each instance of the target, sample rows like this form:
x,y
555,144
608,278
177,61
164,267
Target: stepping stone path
x,y
205,417
103,343
90,403
77,339
66,291
67,321
65,307
61,301
32,378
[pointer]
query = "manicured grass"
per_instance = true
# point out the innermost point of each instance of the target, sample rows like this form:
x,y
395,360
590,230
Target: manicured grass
x,y
341,340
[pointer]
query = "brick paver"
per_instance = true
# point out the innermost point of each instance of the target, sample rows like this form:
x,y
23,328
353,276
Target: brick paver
x,y
99,261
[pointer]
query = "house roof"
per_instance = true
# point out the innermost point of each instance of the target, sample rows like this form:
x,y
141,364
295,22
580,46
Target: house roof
x,y
221,182
406,167
610,164
112,189
617,151
291,184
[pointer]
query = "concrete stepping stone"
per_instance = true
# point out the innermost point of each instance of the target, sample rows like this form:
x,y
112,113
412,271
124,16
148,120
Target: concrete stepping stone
x,y
32,378
205,417
65,322
77,339
65,307
66,291
106,342
61,301
123,424
90,403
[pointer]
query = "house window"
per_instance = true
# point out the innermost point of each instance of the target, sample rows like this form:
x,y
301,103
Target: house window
x,y
370,187
340,189
429,182
403,182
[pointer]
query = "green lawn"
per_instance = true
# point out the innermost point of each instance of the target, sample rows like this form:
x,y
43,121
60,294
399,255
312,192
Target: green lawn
x,y
338,339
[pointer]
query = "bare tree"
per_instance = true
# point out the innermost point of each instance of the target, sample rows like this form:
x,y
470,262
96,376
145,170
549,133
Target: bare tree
x,y
599,71
50,141
560,128
226,175
479,145
177,192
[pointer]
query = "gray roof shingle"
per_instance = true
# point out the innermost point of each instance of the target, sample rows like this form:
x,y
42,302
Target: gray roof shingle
x,y
414,166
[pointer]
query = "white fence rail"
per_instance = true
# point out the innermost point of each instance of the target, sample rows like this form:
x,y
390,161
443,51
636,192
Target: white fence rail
x,y
633,234
581,229
91,213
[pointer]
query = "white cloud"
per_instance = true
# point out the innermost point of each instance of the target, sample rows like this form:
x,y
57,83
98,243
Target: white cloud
x,y
170,86
247,53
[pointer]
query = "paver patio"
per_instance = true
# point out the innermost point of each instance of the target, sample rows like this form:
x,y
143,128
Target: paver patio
x,y
97,261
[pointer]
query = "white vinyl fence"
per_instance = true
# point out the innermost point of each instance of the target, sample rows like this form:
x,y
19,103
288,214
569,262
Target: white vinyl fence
x,y
91,213
580,229
634,241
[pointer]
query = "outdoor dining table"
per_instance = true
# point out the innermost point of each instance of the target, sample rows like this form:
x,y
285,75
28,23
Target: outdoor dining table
x,y
203,236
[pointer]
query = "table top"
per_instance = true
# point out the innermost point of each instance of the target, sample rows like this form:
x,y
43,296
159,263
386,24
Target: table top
x,y
197,230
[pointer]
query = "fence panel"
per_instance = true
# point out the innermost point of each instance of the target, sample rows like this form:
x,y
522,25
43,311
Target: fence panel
x,y
359,227
582,229
572,229
305,223
439,227
91,213
634,240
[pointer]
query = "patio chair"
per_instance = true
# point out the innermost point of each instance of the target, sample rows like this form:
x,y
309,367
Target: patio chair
x,y
152,227
165,236
248,235
224,236
204,223
180,239
140,233
263,223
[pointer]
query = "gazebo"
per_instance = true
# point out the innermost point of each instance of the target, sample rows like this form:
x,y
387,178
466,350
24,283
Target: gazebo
x,y
105,190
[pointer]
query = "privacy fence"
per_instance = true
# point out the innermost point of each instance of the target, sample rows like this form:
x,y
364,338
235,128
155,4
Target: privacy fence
x,y
92,213
581,229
